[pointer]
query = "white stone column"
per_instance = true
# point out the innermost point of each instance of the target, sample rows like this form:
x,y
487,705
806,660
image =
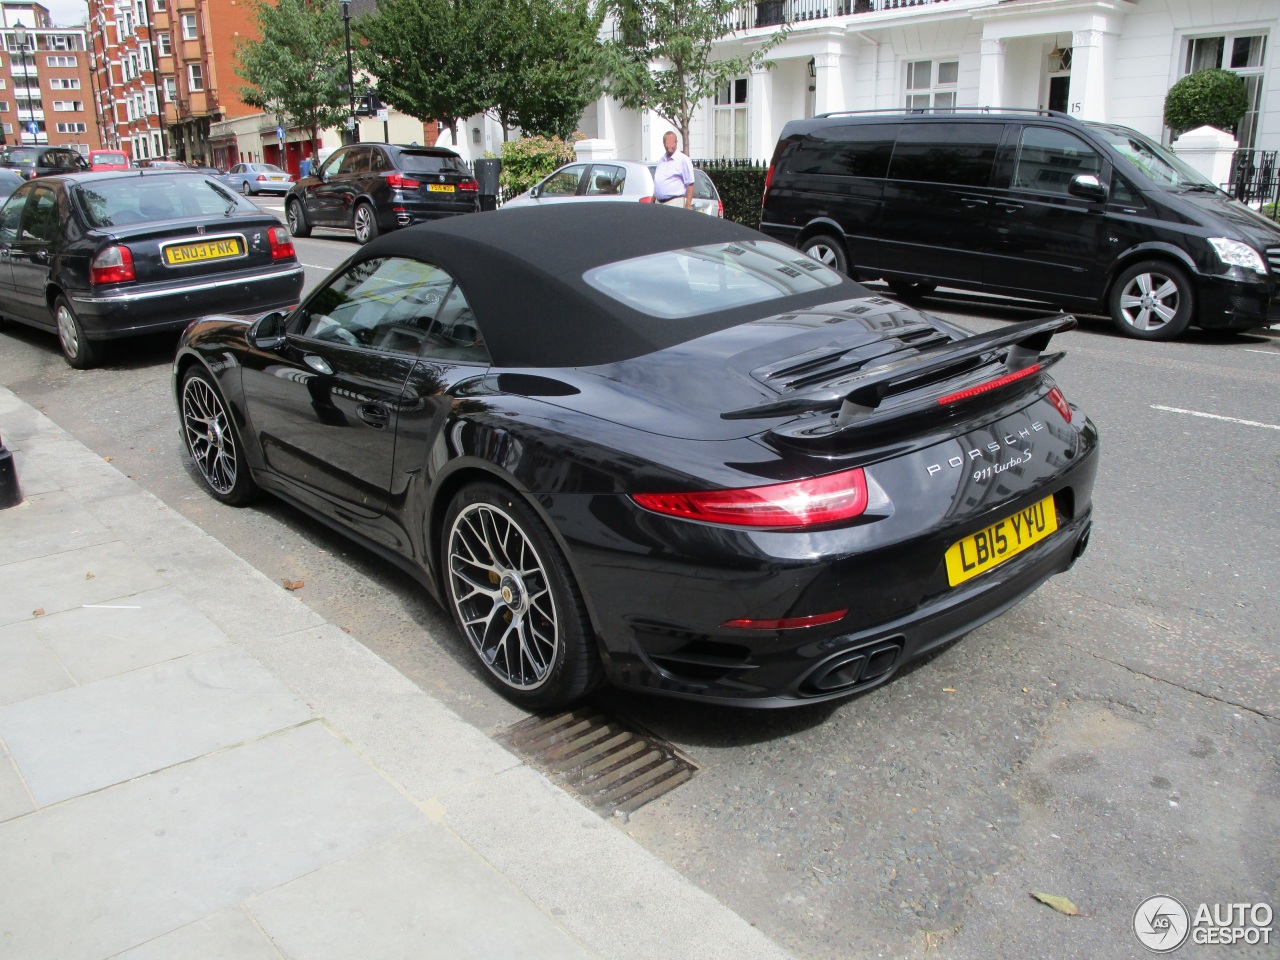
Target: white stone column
x,y
1087,98
829,95
991,74
760,141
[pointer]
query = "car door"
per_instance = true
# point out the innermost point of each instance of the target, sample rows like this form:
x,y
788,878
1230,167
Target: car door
x,y
320,196
350,183
935,219
39,239
1047,244
10,220
326,404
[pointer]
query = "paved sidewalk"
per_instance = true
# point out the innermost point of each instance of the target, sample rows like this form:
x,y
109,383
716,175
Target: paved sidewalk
x,y
194,765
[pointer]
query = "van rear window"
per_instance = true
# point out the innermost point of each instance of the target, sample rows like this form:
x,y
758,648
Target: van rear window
x,y
956,153
845,150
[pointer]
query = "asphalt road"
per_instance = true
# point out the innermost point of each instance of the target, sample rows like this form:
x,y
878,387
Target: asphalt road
x,y
1113,737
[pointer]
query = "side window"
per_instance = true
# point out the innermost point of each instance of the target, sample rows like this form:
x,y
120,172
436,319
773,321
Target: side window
x,y
1049,158
387,305
455,335
40,217
956,153
606,180
564,183
357,161
845,150
378,162
1123,194
11,216
334,163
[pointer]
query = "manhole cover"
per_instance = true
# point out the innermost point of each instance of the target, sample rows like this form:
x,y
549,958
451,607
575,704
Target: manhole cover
x,y
604,763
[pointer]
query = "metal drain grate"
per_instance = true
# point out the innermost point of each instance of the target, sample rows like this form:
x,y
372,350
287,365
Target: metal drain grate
x,y
605,764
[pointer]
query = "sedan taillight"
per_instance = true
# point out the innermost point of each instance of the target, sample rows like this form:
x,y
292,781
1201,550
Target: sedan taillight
x,y
112,265
646,199
469,186
281,244
781,506
261,178
403,182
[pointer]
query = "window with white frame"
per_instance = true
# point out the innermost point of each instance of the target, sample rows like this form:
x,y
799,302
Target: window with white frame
x,y
133,64
145,56
158,6
188,26
8,127
729,114
162,44
137,106
195,77
932,83
1242,53
65,83
155,144
68,106
4,106
3,83
61,61
73,128
170,89
151,100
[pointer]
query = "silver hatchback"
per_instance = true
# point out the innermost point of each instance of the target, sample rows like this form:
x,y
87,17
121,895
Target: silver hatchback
x,y
626,180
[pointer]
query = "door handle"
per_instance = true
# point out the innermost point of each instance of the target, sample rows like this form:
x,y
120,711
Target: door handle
x,y
374,414
1009,207
972,202
40,256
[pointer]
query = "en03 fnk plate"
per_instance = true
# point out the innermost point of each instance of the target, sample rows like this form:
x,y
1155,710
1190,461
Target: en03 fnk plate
x,y
179,253
991,547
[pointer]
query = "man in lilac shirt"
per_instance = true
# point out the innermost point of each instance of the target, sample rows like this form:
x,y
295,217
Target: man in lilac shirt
x,y
673,176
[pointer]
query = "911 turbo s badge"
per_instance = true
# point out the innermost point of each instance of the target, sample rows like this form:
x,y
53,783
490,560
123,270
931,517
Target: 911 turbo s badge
x,y
1020,442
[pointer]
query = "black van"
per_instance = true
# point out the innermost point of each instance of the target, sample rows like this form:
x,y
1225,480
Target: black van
x,y
1025,203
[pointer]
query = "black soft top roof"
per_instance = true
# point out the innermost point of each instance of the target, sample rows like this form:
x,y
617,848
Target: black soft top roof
x,y
521,271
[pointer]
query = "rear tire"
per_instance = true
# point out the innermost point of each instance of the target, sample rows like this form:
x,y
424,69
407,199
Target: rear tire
x,y
245,188
911,289
80,352
297,218
514,598
1152,300
827,249
364,222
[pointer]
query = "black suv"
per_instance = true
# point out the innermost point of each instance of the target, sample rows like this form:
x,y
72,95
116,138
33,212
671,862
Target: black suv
x,y
374,187
1033,204
43,161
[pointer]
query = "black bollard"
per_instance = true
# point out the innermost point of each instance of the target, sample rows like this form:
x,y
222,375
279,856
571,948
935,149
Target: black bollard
x,y
10,492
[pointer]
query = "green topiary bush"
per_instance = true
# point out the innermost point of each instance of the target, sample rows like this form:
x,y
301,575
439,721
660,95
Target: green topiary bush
x,y
529,159
1215,98
741,186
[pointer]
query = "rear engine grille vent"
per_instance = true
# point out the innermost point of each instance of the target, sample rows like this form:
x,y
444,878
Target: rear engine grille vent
x,y
691,657
829,365
605,764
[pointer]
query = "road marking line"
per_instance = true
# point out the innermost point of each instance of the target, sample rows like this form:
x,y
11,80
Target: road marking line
x,y
1270,353
315,266
1214,416
110,606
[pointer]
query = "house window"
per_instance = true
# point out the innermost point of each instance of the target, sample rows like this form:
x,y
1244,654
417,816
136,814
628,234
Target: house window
x,y
61,61
4,106
73,128
162,40
188,26
151,102
170,89
65,83
68,106
932,83
1243,54
730,116
145,57
195,77
155,143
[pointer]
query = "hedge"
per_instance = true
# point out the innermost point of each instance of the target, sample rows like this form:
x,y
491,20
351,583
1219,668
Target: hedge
x,y
741,186
529,159
1215,98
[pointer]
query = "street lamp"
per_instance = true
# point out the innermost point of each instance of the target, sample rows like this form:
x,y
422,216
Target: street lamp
x,y
353,129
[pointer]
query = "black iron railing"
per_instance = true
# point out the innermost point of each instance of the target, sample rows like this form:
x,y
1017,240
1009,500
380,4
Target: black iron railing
x,y
1255,180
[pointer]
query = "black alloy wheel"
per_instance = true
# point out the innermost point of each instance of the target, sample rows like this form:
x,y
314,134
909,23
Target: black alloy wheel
x,y
77,349
1152,300
365,222
515,600
213,442
297,218
828,250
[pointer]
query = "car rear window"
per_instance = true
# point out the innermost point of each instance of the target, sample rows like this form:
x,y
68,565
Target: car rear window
x,y
707,279
21,155
108,158
120,202
264,167
431,163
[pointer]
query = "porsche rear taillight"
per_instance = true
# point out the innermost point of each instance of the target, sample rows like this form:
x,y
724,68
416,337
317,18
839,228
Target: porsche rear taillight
x,y
281,243
780,506
403,182
995,384
1059,401
720,212
112,265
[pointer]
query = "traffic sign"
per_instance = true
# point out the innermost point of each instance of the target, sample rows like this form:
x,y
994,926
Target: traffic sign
x,y
279,133
32,127
383,113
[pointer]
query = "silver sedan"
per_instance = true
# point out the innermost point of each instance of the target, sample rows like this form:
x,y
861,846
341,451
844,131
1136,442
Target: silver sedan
x,y
628,180
251,178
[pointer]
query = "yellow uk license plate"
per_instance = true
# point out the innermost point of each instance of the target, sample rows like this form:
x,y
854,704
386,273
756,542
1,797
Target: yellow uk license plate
x,y
991,547
180,253
440,187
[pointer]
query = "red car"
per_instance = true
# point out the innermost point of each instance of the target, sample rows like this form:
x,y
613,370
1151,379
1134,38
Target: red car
x,y
108,160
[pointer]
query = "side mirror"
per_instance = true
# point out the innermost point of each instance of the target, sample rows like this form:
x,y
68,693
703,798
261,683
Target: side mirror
x,y
535,192
1087,187
267,333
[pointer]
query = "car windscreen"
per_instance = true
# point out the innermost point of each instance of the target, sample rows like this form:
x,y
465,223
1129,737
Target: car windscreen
x,y
431,163
1151,161
126,200
675,284
21,155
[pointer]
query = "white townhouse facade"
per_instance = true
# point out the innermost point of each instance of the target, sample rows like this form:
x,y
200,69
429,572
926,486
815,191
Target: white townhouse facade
x,y
1111,60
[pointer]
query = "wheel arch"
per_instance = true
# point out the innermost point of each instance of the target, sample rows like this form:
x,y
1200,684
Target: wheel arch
x,y
822,225
1149,251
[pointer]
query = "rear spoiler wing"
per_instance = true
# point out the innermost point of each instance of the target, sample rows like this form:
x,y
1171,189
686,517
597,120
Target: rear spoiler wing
x,y
861,394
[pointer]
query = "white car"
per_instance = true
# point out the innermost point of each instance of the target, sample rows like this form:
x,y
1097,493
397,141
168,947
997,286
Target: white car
x,y
624,180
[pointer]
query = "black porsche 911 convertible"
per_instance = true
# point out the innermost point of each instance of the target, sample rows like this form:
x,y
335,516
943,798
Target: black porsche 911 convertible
x,y
619,442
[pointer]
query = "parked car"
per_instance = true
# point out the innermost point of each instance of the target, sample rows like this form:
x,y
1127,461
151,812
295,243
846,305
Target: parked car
x,y
42,161
375,187
1034,204
251,178
10,180
627,180
662,448
163,165
100,160
98,256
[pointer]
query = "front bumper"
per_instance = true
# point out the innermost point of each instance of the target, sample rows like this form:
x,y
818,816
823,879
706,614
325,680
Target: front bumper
x,y
154,308
1227,302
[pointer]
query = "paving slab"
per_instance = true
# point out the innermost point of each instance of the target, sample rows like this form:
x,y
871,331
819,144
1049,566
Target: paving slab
x,y
423,894
70,579
85,738
14,798
31,668
87,879
227,935
47,523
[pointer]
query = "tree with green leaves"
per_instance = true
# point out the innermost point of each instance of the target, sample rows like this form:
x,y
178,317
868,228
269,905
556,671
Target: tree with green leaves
x,y
431,59
298,69
663,55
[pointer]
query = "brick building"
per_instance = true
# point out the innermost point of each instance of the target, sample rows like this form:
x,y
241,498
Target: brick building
x,y
46,88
